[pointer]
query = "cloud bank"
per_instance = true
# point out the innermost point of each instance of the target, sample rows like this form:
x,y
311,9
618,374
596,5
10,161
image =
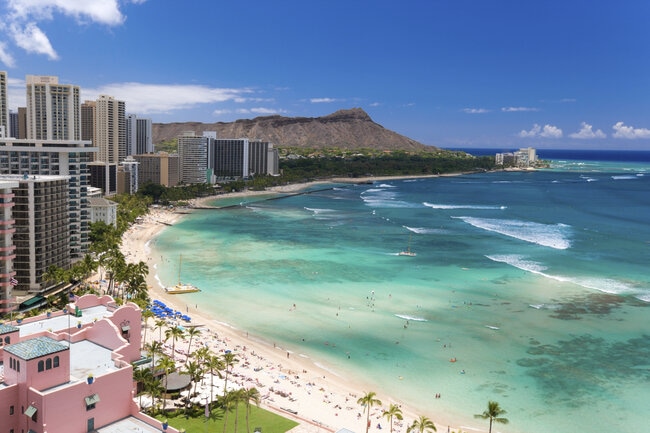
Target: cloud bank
x,y
586,132
547,131
629,132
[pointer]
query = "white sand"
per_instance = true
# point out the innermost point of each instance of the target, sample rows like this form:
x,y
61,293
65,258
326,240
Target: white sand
x,y
323,400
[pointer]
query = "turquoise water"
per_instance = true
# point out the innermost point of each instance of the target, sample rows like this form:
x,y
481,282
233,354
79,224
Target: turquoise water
x,y
536,283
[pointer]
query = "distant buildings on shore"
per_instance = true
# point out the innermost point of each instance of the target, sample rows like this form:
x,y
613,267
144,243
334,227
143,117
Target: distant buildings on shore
x,y
523,158
59,157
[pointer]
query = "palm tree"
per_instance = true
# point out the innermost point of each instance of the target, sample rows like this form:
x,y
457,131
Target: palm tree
x,y
214,364
422,425
167,365
154,348
160,324
238,397
227,401
194,370
493,413
174,333
142,375
394,411
229,360
146,315
191,332
251,394
369,400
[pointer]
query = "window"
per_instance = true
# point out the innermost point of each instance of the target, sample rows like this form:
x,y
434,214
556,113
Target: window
x,y
11,410
41,365
48,364
91,401
56,361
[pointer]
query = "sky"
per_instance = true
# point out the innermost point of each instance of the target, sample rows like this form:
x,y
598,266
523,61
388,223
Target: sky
x,y
449,73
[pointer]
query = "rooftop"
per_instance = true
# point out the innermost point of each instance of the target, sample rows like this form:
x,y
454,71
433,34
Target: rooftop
x,y
128,425
64,322
6,329
35,348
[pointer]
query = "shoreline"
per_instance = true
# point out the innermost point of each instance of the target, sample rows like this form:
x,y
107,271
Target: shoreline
x,y
322,398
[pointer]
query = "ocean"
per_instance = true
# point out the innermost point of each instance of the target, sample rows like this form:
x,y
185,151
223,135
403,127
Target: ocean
x,y
535,283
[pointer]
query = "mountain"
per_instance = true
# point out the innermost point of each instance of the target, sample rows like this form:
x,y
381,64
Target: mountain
x,y
350,129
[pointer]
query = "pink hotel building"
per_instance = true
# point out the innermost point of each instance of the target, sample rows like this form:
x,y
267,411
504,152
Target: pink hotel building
x,y
69,374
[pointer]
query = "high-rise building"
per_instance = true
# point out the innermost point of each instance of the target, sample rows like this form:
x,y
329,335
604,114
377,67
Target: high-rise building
x,y
241,158
159,168
103,175
88,121
4,107
139,138
59,158
42,215
193,154
53,109
7,229
110,130
127,176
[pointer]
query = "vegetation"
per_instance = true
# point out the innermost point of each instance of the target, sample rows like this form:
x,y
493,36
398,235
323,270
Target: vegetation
x,y
422,425
269,421
493,413
368,401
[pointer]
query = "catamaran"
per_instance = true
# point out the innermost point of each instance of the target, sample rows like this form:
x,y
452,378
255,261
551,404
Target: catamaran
x,y
408,251
181,288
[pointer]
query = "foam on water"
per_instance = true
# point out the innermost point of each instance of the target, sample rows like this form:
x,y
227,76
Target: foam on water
x,y
411,318
547,235
462,206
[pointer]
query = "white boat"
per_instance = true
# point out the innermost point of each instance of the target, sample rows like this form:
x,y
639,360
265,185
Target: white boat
x,y
408,251
181,288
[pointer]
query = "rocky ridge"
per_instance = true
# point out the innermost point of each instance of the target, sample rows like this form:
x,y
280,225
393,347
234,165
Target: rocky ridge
x,y
349,129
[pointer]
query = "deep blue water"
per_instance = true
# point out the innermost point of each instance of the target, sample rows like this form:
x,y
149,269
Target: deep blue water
x,y
573,154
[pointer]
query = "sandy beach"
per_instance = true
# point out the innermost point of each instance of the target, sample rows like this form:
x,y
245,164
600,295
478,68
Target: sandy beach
x,y
290,383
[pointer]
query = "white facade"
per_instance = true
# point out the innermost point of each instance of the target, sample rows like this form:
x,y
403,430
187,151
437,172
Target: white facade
x,y
103,210
193,155
53,109
110,129
139,136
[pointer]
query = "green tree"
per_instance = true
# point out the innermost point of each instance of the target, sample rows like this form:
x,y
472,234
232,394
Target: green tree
x,y
167,365
229,360
368,401
394,411
422,425
142,376
154,348
250,395
191,332
146,315
227,402
493,413
175,332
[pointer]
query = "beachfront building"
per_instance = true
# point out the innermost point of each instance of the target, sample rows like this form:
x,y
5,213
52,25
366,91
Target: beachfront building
x,y
4,107
58,158
103,210
7,247
139,136
192,152
159,168
41,229
72,371
242,158
53,109
523,158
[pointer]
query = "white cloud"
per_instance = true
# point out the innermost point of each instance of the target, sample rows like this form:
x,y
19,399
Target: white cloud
x,y
259,110
548,131
21,18
587,132
98,11
517,109
5,56
475,110
162,98
32,39
629,132
322,100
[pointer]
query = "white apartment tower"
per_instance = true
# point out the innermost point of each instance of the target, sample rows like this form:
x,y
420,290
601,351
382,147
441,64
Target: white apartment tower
x,y
139,138
53,109
110,130
4,106
193,155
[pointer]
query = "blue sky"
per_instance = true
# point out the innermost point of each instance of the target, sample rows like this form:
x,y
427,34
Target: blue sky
x,y
453,73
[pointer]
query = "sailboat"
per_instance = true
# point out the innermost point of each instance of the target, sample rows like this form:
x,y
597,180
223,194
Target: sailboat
x,y
181,288
408,251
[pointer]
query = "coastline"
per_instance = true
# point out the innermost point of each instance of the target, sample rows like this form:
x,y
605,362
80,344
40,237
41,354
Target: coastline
x,y
323,400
